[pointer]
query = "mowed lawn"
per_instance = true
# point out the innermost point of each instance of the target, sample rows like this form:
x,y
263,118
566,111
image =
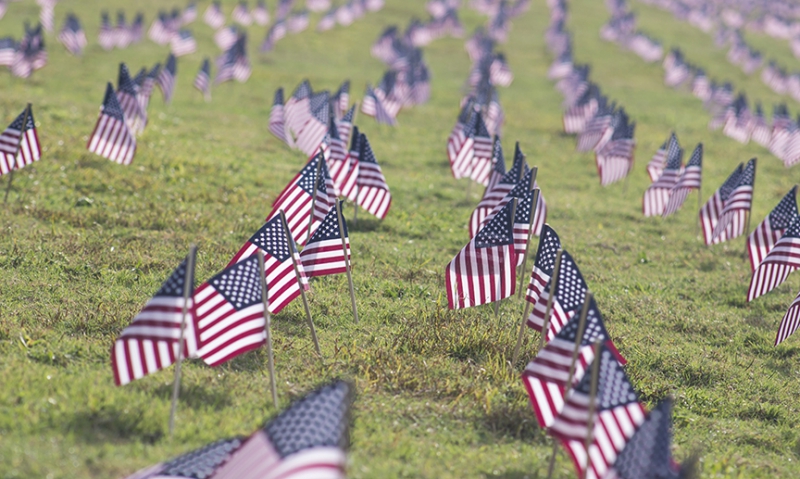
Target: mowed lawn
x,y
86,242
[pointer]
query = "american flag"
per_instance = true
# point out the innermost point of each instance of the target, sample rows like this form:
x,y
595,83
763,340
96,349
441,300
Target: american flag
x,y
159,30
166,78
521,190
373,192
484,270
499,71
570,291
277,123
781,260
297,21
189,13
763,238
498,191
345,173
15,153
229,312
122,37
47,14
657,194
617,415
328,21
241,15
310,135
595,129
323,254
482,147
282,282
549,244
545,377
297,111
458,136
106,36
737,206
498,164
709,213
345,123
7,49
260,14
341,100
226,37
135,118
790,321
522,220
213,15
576,116
150,342
111,137
462,163
183,43
373,106
148,83
336,150
275,33
72,35
203,81
137,27
615,158
657,163
649,452
690,179
295,200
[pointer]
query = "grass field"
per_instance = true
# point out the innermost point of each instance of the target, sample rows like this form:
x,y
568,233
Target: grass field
x,y
86,242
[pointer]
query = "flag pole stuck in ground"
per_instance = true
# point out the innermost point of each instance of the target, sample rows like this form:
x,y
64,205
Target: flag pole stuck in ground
x,y
347,263
22,134
550,299
268,328
187,292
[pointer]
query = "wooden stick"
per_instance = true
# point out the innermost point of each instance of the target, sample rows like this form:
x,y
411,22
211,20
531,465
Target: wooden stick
x,y
267,328
314,196
290,243
22,133
524,265
187,291
346,260
553,286
592,405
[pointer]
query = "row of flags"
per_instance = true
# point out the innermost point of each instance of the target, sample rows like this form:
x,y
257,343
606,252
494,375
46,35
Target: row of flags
x,y
621,29
26,56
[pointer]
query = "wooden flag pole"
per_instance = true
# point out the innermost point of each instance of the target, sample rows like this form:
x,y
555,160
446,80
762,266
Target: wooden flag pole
x,y
19,144
524,265
549,310
581,327
290,244
268,328
592,405
187,291
314,195
346,260
513,213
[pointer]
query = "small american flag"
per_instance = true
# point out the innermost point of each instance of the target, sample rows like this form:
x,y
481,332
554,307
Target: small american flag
x,y
649,452
122,37
522,219
277,123
345,123
570,291
183,43
543,265
106,36
709,213
297,110
492,197
72,35
310,135
341,100
615,158
159,31
15,153
657,194
241,15
484,270
137,27
166,78
203,81
306,440
147,86
690,179
373,106
336,150
781,260
150,342
135,118
482,147
226,37
296,198
111,137
345,174
213,15
189,14
373,192
498,164
617,415
499,71
229,312
7,49
260,14
462,163
763,238
323,254
595,129
737,206
458,136
545,377
790,321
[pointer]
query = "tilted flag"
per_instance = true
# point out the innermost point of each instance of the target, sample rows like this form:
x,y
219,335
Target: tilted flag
x,y
324,254
183,43
189,14
546,376
492,197
615,158
484,270
345,124
260,14
203,79
617,415
341,100
659,160
522,190
226,37
241,15
166,78
596,127
790,321
277,123
763,238
463,161
345,173
135,118
737,206
229,312
570,291
373,192
482,152
691,179
106,36
213,16
458,136
160,30
282,282
72,35
313,131
111,137
148,83
151,342
297,111
781,260
19,143
543,264
710,211
498,164
522,219
657,194
373,106
296,199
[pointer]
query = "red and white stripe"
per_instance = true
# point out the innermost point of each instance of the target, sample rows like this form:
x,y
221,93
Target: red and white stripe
x,y
454,142
690,179
282,282
558,317
373,193
482,153
277,123
29,149
775,268
656,196
761,241
615,160
733,216
478,276
656,165
112,139
709,215
310,136
135,118
326,257
790,321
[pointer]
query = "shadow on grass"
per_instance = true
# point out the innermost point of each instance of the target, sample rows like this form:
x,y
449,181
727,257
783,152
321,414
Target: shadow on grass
x,y
113,424
514,474
195,396
517,423
365,223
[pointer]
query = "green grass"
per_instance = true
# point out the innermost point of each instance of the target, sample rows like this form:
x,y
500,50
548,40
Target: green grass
x,y
436,397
